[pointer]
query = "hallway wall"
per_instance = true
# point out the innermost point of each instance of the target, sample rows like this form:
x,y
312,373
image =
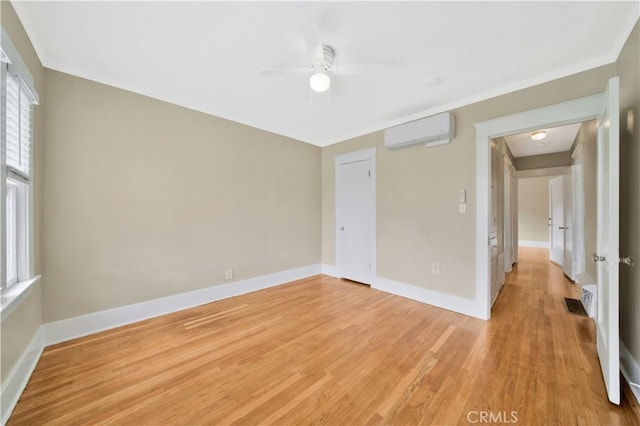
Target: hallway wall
x,y
533,209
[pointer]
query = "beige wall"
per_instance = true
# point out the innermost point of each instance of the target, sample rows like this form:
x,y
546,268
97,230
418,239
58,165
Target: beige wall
x,y
418,189
20,327
628,69
145,199
533,209
557,159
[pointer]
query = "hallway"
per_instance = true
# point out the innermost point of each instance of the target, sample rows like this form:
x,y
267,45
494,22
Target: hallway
x,y
564,384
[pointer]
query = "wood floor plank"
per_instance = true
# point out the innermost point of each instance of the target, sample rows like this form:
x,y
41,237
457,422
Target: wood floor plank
x,y
327,351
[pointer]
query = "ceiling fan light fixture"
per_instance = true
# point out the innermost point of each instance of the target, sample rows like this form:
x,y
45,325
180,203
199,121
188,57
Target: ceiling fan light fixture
x,y
538,135
319,82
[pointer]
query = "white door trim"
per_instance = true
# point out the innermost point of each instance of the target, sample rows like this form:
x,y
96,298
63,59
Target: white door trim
x,y
351,157
507,218
574,111
577,173
556,216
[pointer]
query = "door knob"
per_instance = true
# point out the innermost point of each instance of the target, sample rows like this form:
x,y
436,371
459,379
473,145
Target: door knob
x,y
597,258
341,228
562,227
627,261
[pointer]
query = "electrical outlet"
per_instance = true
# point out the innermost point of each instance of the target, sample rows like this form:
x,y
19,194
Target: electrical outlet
x,y
228,274
435,268
463,208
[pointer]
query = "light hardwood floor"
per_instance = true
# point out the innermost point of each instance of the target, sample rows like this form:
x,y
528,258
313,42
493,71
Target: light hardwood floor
x,y
321,350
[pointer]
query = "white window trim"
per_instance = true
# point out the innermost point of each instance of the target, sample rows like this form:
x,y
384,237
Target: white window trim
x,y
24,223
16,294
11,223
11,296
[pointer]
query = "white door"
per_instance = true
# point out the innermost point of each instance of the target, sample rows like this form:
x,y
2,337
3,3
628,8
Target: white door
x,y
556,221
567,211
607,241
355,210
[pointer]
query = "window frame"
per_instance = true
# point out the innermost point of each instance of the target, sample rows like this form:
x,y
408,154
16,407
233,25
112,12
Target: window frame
x,y
16,183
21,225
11,232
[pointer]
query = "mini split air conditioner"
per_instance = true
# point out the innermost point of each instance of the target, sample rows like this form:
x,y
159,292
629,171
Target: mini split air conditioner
x,y
431,131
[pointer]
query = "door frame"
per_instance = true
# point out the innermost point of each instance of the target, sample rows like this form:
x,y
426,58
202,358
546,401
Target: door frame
x,y
577,175
568,209
507,217
578,110
352,157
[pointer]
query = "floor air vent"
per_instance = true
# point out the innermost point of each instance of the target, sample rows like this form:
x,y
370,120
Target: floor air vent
x,y
575,306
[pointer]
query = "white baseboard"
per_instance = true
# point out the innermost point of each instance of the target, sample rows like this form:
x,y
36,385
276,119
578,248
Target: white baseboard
x,y
60,331
441,300
538,244
330,270
19,376
630,370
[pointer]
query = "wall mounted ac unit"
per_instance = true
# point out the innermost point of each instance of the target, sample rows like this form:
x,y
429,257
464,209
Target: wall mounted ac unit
x,y
431,131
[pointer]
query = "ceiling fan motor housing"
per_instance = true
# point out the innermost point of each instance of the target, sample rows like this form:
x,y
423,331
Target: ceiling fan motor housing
x,y
324,63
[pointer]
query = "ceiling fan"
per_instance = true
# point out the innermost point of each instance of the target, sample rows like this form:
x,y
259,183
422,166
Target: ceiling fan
x,y
322,67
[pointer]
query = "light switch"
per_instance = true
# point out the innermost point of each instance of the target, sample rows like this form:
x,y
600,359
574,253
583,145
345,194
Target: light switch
x,y
463,196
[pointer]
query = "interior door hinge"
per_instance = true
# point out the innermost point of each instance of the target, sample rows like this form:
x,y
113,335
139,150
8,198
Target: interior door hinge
x,y
369,173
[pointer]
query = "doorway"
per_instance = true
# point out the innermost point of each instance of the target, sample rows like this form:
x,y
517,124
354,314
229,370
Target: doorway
x,y
562,232
604,108
545,203
579,110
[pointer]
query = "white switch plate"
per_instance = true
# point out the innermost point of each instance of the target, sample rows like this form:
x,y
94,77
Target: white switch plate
x,y
463,208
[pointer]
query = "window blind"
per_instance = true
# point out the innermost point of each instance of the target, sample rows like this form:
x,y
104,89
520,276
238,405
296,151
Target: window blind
x,y
18,127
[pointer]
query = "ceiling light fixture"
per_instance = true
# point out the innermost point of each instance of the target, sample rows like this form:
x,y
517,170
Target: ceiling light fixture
x,y
538,135
319,82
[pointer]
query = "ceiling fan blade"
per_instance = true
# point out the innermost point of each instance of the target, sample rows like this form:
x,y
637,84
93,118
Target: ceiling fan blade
x,y
284,71
353,69
311,34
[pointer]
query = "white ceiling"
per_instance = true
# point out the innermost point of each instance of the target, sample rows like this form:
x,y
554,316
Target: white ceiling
x,y
559,139
208,55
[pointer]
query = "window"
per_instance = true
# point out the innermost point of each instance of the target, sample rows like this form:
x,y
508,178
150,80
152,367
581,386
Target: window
x,y
17,104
